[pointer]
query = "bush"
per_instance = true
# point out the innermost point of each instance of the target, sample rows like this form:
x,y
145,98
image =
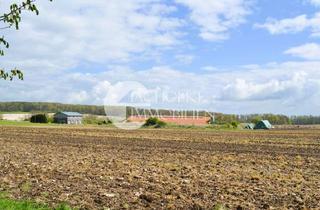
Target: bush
x,y
211,121
104,122
94,120
50,119
160,124
234,124
219,207
154,122
226,126
39,118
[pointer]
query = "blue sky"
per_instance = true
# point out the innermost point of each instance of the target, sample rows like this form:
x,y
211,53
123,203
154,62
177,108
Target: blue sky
x,y
237,56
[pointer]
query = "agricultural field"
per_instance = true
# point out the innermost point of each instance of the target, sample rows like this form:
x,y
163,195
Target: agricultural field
x,y
106,168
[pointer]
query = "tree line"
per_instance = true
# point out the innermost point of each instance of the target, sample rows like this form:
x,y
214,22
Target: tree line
x,y
37,107
220,118
274,119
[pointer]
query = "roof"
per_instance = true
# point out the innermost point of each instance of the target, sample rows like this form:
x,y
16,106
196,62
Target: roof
x,y
250,125
71,114
263,124
267,123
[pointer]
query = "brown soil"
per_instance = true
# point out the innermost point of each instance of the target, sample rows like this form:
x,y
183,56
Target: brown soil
x,y
92,168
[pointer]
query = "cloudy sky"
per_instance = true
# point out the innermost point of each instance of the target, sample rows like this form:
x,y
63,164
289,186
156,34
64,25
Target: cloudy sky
x,y
232,56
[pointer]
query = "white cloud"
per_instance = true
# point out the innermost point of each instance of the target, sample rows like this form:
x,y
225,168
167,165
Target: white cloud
x,y
216,18
315,2
293,25
77,97
275,88
290,88
184,58
310,51
69,33
210,68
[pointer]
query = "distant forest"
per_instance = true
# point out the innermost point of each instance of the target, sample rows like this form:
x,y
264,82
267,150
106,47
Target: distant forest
x,y
49,107
36,107
273,119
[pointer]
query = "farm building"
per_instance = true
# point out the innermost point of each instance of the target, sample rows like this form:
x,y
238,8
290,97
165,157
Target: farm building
x,y
74,118
249,126
197,121
263,124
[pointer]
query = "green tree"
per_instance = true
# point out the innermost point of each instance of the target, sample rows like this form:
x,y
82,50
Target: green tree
x,y
39,118
234,124
10,19
154,122
256,119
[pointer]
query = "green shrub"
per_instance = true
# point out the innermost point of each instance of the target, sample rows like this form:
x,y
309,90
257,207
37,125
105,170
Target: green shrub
x,y
226,126
234,124
211,121
154,122
39,118
94,120
160,124
104,122
50,119
219,207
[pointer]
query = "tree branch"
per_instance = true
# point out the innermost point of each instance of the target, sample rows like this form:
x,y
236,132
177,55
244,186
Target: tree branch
x,y
13,18
10,75
23,6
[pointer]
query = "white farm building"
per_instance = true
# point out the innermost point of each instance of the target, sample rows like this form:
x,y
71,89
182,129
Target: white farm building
x,y
73,118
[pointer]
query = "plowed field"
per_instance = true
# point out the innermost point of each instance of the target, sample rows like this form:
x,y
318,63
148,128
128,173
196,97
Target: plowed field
x,y
93,168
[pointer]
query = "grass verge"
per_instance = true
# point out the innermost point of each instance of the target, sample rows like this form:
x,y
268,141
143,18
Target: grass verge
x,y
8,204
9,122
